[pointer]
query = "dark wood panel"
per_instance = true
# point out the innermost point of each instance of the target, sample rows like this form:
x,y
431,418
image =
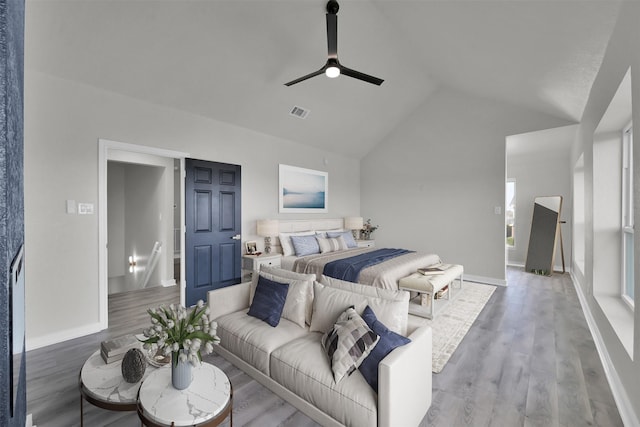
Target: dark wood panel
x,y
203,217
227,211
227,177
203,175
227,261
203,265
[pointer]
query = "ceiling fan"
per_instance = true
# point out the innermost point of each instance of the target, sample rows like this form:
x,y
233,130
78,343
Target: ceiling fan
x,y
333,68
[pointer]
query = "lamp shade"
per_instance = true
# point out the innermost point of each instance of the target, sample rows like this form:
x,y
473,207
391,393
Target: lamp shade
x,y
353,222
268,227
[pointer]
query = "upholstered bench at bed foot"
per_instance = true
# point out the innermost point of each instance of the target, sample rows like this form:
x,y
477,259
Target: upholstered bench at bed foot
x,y
427,287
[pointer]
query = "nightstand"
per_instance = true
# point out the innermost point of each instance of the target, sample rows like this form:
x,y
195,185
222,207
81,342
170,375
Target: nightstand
x,y
251,263
366,243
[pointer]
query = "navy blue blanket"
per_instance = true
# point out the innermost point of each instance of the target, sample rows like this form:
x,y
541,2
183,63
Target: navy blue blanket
x,y
349,268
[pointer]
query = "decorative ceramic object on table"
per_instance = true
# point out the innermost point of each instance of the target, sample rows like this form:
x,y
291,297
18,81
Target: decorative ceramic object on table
x,y
134,363
184,334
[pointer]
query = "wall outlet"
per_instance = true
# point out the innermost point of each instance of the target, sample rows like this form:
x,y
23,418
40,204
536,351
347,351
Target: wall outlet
x,y
497,210
85,208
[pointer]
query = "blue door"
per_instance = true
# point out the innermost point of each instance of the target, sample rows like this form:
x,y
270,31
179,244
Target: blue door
x,y
212,217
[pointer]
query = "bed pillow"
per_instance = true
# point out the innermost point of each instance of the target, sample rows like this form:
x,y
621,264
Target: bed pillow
x,y
268,301
388,342
346,235
391,306
331,245
305,245
348,343
323,233
285,241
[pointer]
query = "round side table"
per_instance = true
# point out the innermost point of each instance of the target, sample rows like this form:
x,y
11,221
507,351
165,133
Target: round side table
x,y
102,385
206,402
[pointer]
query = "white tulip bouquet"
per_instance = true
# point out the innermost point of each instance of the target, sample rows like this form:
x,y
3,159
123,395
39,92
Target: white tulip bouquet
x,y
175,328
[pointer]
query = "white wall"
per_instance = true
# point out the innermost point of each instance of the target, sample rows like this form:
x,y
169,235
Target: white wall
x,y
63,121
622,53
538,162
434,182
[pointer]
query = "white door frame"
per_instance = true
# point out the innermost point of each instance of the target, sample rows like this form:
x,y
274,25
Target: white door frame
x,y
104,146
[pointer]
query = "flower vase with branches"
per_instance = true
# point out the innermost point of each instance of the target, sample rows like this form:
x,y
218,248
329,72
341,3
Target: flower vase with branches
x,y
367,229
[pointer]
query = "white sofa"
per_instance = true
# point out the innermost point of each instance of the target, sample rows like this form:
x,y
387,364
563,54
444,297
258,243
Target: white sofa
x,y
289,359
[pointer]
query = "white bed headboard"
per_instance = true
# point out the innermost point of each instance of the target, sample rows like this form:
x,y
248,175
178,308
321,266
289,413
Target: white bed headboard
x,y
293,225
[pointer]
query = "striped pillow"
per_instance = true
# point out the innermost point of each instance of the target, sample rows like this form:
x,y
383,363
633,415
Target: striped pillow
x,y
348,343
331,245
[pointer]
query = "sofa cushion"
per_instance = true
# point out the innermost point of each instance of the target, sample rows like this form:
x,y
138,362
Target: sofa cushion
x,y
348,343
388,341
252,340
302,367
329,302
298,305
391,306
268,301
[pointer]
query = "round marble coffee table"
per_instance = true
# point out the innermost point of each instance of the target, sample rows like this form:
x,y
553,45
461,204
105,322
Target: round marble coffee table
x,y
206,402
102,385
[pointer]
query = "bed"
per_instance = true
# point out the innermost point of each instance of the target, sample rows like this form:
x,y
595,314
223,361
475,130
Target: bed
x,y
385,274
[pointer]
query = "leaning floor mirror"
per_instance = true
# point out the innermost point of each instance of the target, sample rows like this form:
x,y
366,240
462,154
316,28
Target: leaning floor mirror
x,y
544,234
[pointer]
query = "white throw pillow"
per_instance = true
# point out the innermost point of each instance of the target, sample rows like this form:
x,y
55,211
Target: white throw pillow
x,y
285,241
391,306
331,245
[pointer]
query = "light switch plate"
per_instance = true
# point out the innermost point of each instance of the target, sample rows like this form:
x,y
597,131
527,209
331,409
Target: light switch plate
x,y
71,206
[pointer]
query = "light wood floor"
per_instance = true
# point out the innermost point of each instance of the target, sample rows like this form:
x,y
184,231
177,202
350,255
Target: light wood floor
x,y
528,360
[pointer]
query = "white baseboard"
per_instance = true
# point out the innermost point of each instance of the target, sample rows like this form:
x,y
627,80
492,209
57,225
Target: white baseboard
x,y
29,421
487,280
168,282
627,413
556,268
60,336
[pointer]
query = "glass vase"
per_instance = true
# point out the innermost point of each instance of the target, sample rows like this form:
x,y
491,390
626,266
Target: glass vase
x,y
180,371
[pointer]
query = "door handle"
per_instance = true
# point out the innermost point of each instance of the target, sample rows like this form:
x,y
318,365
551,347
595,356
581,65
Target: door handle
x,y
237,237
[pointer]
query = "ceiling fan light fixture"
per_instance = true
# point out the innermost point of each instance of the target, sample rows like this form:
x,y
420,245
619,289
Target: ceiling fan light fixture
x,y
332,72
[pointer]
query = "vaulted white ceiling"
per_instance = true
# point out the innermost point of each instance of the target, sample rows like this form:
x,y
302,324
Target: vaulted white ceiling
x,y
229,60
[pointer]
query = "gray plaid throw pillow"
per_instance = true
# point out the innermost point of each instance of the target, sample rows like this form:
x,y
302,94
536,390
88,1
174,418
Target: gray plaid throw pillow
x,y
348,343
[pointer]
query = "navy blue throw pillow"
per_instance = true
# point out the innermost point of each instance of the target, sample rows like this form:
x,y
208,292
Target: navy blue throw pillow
x,y
389,340
268,301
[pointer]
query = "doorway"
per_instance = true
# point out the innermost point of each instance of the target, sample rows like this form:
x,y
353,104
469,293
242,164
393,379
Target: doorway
x,y
145,263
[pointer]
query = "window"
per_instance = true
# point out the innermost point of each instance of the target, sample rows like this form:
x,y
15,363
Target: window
x,y
510,213
627,216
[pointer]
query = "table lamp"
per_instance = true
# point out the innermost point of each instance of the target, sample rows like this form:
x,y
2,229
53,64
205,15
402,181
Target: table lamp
x,y
355,224
267,228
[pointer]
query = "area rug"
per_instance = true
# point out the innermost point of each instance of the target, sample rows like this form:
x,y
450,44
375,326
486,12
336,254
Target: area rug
x,y
453,321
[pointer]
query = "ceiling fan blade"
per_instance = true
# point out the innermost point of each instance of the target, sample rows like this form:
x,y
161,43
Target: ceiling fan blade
x,y
332,34
308,76
360,76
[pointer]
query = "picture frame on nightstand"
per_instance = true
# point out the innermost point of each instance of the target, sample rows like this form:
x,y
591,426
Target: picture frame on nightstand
x,y
251,247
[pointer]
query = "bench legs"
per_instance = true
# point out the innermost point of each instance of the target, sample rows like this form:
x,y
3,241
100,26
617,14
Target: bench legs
x,y
426,307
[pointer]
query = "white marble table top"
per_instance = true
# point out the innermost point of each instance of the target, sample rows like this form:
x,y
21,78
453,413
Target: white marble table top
x,y
207,395
104,381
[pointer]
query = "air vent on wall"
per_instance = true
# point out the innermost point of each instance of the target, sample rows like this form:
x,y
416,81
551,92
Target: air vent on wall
x,y
299,112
